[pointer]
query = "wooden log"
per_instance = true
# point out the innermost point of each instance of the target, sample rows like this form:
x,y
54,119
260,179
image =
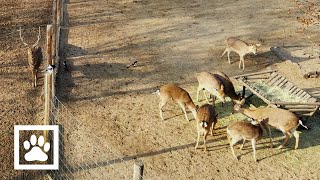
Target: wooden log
x,y
294,88
272,76
301,95
256,78
255,92
47,83
306,97
297,103
295,92
256,73
302,110
289,86
279,81
275,79
300,106
282,85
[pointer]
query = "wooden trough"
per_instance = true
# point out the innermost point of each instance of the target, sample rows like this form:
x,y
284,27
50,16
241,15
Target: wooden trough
x,y
277,91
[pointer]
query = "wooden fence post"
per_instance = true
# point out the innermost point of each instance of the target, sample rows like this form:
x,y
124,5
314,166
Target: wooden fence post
x,y
138,170
47,83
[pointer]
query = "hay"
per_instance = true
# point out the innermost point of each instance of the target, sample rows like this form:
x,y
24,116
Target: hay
x,y
274,93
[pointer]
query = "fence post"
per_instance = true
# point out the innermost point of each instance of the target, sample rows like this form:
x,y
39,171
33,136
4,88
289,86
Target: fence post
x,y
48,82
138,170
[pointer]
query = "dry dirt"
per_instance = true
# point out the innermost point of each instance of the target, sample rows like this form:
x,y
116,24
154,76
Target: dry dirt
x,y
172,40
19,100
113,106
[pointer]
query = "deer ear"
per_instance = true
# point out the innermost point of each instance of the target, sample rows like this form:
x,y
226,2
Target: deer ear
x,y
221,87
258,45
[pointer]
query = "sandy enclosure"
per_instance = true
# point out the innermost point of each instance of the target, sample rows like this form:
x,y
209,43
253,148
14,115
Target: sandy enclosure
x,y
19,101
113,117
172,40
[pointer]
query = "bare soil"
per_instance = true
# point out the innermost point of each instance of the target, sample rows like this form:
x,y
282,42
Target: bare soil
x,y
173,40
113,106
19,100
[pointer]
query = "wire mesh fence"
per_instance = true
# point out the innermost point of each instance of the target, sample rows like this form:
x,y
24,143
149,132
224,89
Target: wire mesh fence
x,y
82,154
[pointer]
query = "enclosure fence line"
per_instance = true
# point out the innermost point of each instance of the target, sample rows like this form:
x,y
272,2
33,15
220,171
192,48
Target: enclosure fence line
x,y
70,167
73,165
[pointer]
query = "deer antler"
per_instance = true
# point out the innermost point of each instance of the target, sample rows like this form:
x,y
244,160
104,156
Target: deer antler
x,y
39,36
21,38
35,44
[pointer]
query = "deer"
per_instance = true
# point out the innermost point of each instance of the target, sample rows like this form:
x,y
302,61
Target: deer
x,y
281,119
240,47
210,83
178,95
34,57
207,119
229,88
239,130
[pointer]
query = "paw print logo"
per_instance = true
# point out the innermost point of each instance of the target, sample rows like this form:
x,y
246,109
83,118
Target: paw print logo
x,y
37,153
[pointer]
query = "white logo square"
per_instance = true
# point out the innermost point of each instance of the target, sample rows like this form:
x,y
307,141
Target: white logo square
x,y
38,148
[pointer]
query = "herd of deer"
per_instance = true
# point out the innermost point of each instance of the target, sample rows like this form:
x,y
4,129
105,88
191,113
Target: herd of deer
x,y
218,85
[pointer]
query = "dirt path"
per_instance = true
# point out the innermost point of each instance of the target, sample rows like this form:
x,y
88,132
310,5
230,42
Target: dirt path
x,y
171,40
19,102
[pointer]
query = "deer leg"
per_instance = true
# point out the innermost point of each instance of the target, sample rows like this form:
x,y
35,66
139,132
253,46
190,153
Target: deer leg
x,y
285,141
205,95
253,142
161,104
296,134
198,92
198,138
229,56
232,143
183,107
244,141
267,127
204,140
212,127
242,63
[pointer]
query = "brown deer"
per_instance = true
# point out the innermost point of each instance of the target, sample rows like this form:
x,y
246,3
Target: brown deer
x,y
178,95
210,83
282,119
207,119
240,47
229,88
34,57
239,130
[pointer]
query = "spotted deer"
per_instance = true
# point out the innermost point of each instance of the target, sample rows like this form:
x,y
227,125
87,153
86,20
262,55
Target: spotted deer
x,y
34,57
240,47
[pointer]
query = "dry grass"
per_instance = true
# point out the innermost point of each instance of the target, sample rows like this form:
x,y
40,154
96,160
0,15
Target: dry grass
x,y
274,93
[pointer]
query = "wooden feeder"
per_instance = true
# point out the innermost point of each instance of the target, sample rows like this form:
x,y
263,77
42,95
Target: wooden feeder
x,y
301,103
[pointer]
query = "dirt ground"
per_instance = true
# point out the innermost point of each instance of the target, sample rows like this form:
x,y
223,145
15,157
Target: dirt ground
x,y
19,100
173,40
114,107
